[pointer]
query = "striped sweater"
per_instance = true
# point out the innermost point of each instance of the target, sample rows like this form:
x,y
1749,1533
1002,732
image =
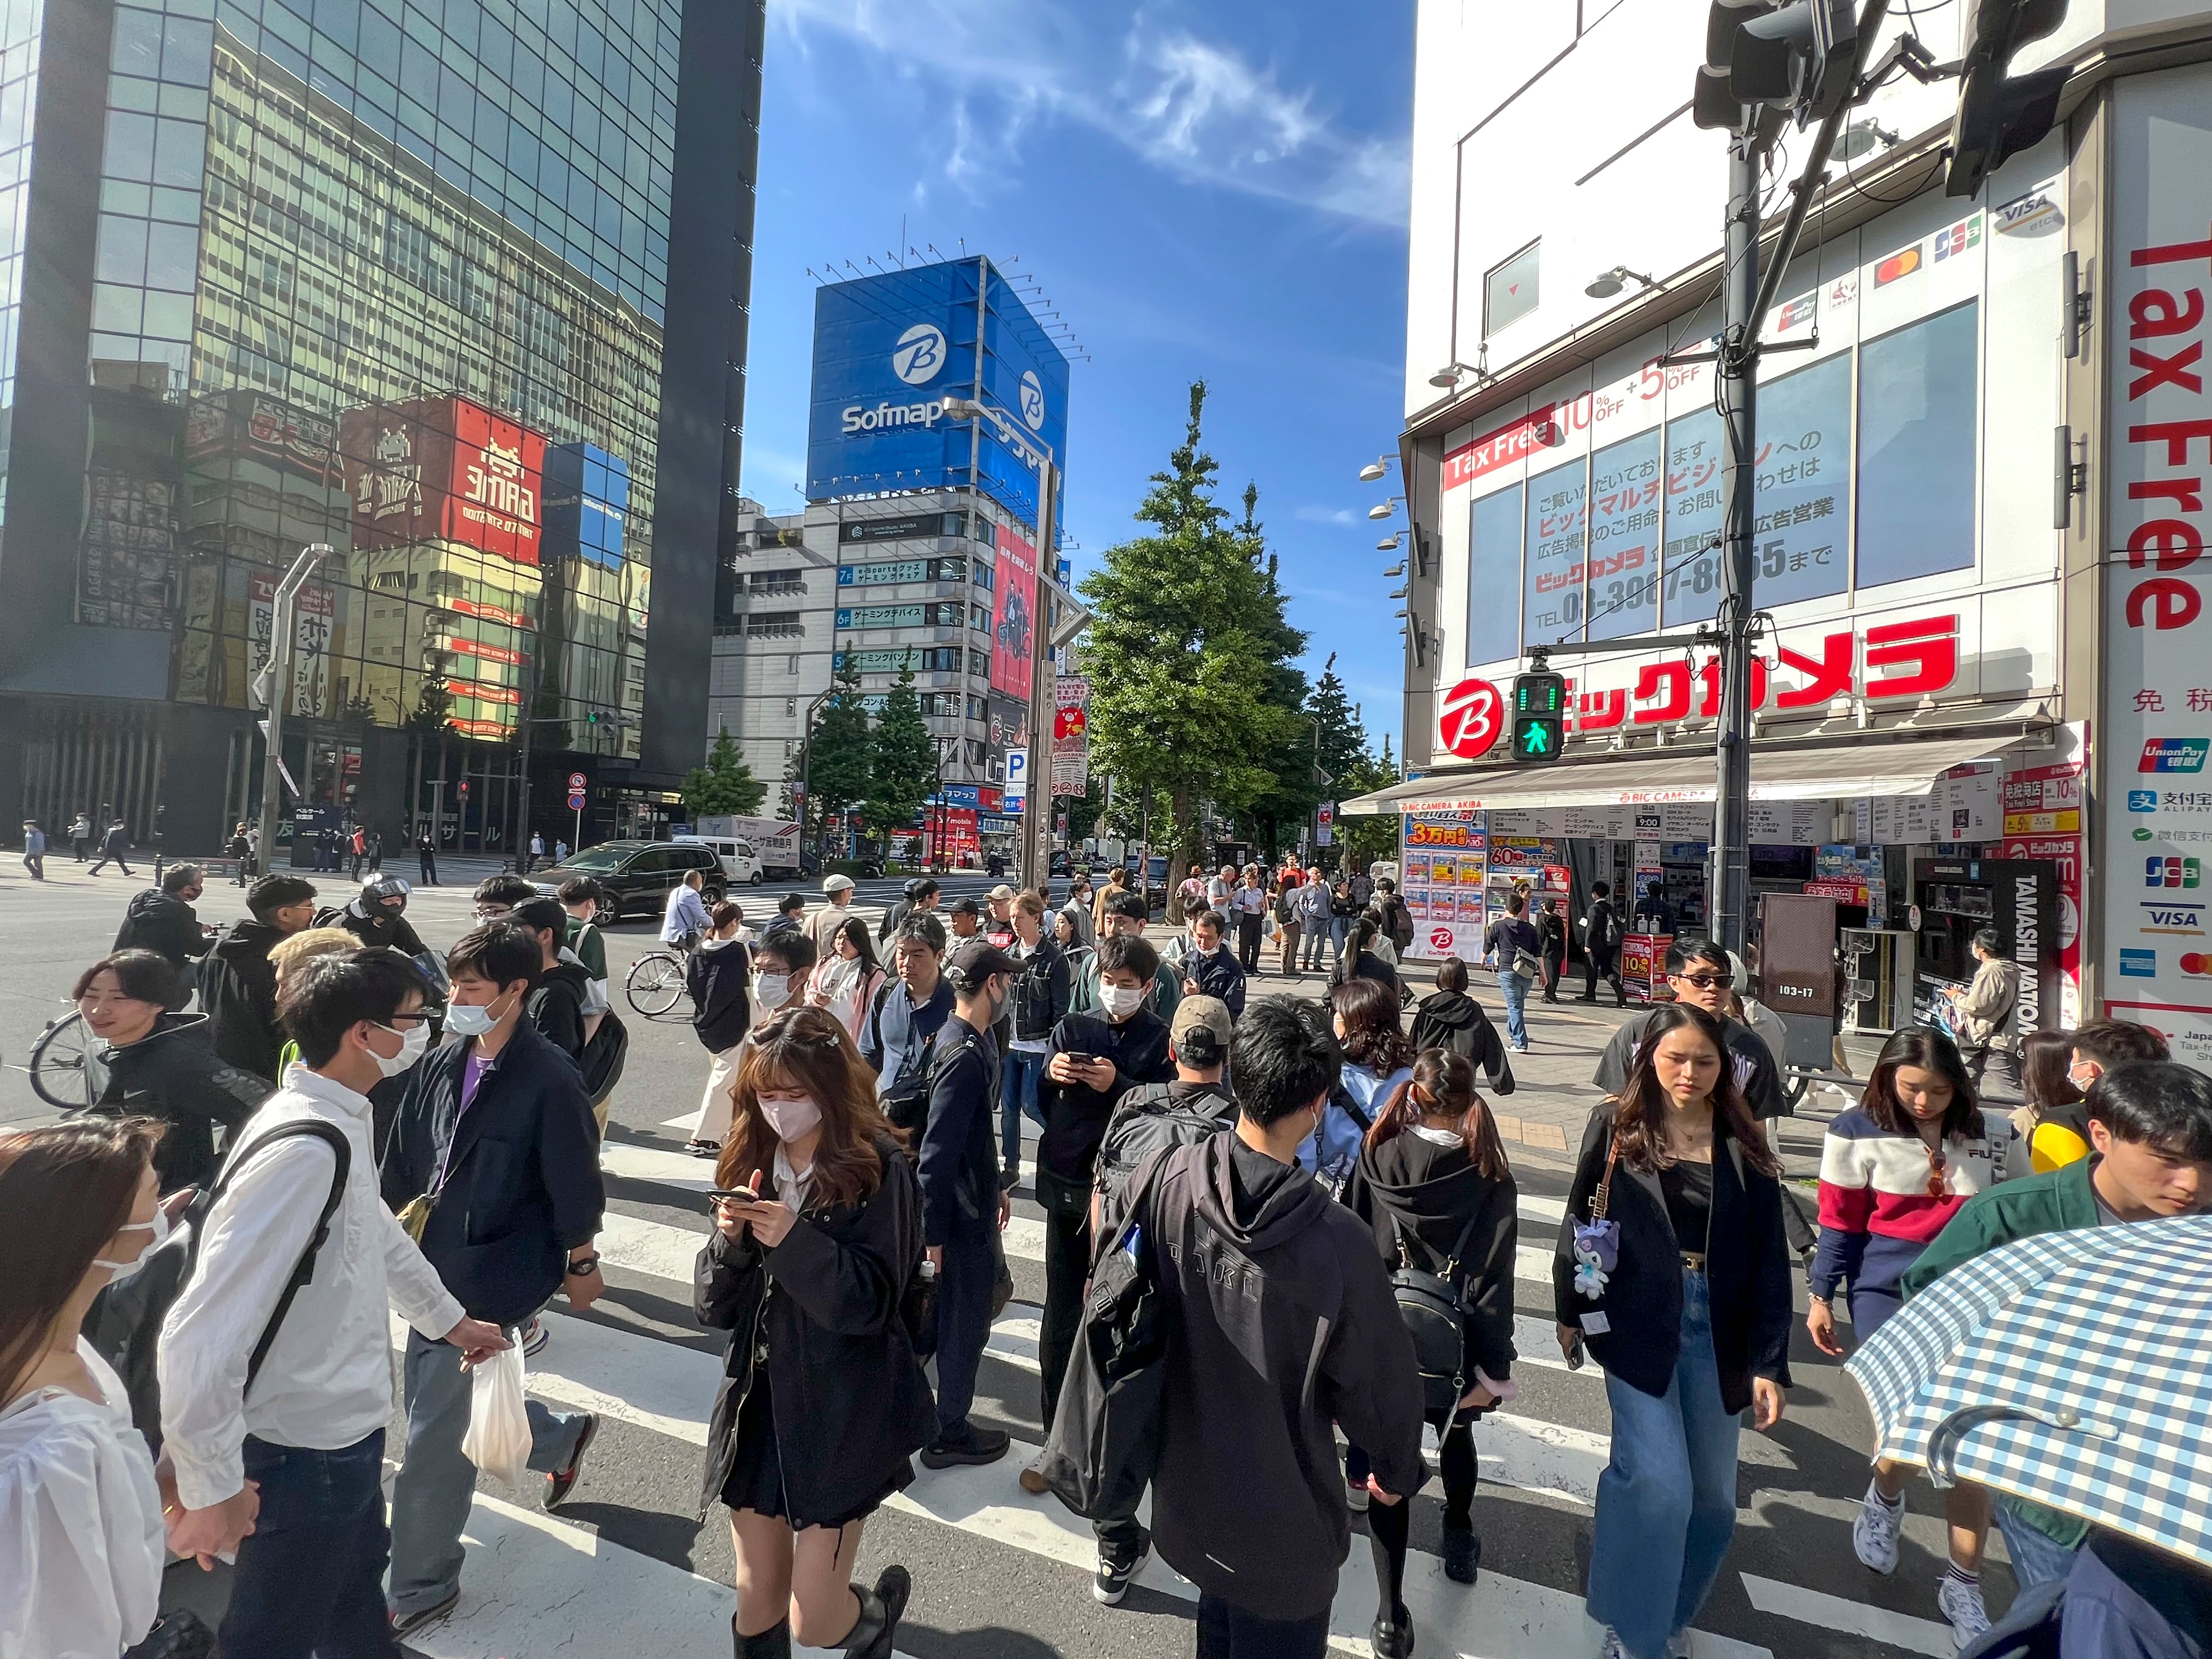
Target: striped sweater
x,y
1876,1213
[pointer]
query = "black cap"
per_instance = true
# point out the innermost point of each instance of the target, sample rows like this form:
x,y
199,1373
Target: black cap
x,y
976,961
966,906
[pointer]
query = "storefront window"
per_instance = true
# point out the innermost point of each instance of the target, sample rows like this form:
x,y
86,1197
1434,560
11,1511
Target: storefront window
x,y
1552,603
1493,575
1695,506
1801,524
1624,537
1917,448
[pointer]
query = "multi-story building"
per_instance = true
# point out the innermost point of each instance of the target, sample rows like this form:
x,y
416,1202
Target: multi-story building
x,y
459,292
1976,518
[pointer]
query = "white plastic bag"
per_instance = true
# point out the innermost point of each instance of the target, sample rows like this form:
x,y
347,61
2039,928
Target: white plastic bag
x,y
498,1440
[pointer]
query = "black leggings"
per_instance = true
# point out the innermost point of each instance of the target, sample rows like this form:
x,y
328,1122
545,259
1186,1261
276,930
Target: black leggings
x,y
1389,1525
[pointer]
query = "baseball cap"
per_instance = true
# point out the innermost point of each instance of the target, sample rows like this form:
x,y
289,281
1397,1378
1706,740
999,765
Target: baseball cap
x,y
1001,894
965,907
1202,1029
977,960
837,884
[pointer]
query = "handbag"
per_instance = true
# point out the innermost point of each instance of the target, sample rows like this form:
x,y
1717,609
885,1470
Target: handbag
x,y
1597,1241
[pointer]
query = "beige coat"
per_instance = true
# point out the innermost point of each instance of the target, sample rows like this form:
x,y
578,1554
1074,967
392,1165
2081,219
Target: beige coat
x,y
1986,1009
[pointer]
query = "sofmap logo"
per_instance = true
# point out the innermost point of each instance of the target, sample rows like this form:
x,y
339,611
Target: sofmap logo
x,y
2143,801
1033,400
919,354
2172,872
2139,964
2173,754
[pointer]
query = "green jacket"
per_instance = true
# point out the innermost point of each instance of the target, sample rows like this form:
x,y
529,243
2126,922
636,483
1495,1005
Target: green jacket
x,y
2058,1201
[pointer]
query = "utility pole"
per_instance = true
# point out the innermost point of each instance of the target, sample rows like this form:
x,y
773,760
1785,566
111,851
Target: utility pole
x,y
273,686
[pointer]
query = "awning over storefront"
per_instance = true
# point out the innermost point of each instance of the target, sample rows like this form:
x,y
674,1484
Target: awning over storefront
x,y
1873,765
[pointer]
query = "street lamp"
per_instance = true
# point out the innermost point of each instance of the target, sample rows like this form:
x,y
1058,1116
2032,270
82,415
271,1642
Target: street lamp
x,y
1374,470
1606,283
272,687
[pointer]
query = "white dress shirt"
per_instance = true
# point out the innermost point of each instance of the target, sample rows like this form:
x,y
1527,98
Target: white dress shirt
x,y
327,1381
80,1523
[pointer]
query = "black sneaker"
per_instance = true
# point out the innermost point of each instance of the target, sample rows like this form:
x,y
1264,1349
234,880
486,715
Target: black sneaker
x,y
1463,1554
1116,1568
406,1624
563,1481
976,1446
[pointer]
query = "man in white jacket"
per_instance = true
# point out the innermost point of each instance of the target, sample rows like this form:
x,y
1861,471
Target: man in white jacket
x,y
300,1442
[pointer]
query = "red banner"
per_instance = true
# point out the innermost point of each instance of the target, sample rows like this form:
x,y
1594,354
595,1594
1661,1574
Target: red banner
x,y
1013,614
444,469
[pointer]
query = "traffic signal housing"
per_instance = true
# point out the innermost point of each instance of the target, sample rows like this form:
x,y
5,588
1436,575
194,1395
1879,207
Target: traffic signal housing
x,y
1539,716
1784,58
1999,115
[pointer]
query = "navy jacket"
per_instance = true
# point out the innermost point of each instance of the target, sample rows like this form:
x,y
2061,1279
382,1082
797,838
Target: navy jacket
x,y
522,1185
1218,976
959,1153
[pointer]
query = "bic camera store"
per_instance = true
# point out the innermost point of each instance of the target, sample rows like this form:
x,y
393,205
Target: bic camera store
x,y
1964,717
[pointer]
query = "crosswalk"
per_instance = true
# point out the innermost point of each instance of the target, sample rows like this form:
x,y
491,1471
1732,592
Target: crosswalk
x,y
581,1582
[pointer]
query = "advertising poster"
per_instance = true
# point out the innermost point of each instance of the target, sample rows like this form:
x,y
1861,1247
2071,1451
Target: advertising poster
x,y
1437,855
1013,614
315,617
2156,731
1642,957
1070,735
2043,820
444,469
128,550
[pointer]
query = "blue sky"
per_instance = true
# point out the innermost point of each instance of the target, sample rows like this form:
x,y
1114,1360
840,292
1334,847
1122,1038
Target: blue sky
x,y
1214,191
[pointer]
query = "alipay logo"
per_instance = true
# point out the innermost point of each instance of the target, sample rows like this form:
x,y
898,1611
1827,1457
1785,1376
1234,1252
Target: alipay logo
x,y
2173,754
1033,400
919,354
2139,964
2143,801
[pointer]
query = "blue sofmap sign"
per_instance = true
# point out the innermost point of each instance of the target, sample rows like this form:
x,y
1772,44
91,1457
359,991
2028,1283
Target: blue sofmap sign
x,y
888,350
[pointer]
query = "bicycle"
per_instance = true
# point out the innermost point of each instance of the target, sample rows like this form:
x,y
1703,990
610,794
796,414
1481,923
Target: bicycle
x,y
66,1070
655,983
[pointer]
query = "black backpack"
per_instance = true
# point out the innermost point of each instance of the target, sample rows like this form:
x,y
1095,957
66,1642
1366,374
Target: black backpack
x,y
604,1052
906,1103
1429,1304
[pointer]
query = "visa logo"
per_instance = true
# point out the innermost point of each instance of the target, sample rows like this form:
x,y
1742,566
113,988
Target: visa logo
x,y
2139,801
2173,754
2160,917
2139,964
2180,872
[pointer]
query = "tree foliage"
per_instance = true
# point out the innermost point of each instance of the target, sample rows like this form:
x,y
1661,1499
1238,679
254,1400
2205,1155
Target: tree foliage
x,y
904,759
840,753
724,786
1363,840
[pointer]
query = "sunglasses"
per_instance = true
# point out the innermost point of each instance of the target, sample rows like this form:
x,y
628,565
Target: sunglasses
x,y
1706,981
1935,1170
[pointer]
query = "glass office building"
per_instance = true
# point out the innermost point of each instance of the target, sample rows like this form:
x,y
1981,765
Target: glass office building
x,y
393,276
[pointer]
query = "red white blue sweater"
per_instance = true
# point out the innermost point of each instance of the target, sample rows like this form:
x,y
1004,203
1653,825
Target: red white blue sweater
x,y
1876,1213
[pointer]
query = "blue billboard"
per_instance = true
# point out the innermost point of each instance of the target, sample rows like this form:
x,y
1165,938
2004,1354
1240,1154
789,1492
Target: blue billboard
x,y
586,496
888,349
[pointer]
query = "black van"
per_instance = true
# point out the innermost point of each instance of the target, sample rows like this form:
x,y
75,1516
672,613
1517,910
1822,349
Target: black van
x,y
636,877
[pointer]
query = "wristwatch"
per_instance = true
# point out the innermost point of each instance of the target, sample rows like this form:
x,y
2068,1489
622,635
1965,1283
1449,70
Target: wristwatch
x,y
583,1266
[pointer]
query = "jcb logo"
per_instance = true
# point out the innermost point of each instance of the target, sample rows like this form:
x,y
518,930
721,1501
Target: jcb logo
x,y
2172,872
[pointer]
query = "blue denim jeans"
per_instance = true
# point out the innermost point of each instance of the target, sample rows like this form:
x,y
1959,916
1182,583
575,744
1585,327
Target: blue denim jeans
x,y
1516,1001
310,1577
431,1495
1666,1503
2035,1559
1018,1076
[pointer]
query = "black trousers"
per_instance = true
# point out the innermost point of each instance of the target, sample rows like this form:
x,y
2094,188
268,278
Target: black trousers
x,y
1555,969
430,863
964,1285
1602,962
1247,940
1228,1631
1066,1270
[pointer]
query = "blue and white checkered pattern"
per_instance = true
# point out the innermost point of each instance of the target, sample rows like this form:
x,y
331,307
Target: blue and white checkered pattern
x,y
2072,1369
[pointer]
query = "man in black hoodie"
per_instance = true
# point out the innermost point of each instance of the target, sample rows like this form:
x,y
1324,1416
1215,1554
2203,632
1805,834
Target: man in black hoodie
x,y
238,982
1282,1322
162,920
1449,1018
555,1007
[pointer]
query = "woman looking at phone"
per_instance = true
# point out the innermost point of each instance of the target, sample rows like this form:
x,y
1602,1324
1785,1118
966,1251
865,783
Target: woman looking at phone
x,y
817,1231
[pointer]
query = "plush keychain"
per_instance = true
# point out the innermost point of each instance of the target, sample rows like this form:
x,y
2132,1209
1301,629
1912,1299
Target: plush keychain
x,y
1597,1241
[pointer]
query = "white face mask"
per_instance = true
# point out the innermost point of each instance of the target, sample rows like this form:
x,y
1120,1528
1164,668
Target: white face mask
x,y
1120,1001
471,1018
791,1119
770,992
414,1044
119,1271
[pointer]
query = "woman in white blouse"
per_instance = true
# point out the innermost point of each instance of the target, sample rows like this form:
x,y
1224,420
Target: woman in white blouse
x,y
80,1514
845,981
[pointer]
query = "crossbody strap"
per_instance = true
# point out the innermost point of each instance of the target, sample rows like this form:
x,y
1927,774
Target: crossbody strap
x,y
1601,1200
304,1270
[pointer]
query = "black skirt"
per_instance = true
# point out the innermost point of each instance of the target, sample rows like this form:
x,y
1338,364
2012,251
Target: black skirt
x,y
756,1478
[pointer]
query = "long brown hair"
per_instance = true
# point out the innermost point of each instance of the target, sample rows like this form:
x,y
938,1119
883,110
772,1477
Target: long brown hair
x,y
1442,1085
809,1048
1372,1036
1925,1050
1640,1110
2046,1062
64,1189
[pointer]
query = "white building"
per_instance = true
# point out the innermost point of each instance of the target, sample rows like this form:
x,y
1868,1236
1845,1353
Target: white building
x,y
1940,650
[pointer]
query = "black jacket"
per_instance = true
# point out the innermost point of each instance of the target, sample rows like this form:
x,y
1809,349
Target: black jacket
x,y
161,922
174,1074
1421,1196
851,1403
1455,1020
238,990
1076,1115
1218,976
1043,993
1747,1265
720,978
392,933
1554,931
1603,932
1757,1076
522,1182
959,1165
1370,966
1153,1117
1281,1324
555,1007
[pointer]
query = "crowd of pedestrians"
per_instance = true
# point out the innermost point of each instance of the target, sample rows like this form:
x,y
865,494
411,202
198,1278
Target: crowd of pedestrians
x,y
1295,1215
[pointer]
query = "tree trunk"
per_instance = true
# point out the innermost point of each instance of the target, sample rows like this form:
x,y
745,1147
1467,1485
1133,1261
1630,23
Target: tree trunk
x,y
1179,856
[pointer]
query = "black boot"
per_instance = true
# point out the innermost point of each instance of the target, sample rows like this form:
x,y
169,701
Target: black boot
x,y
880,1608
1393,1640
771,1643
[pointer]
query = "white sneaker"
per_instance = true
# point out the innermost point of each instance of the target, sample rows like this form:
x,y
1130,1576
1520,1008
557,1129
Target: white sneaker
x,y
1961,1603
1874,1534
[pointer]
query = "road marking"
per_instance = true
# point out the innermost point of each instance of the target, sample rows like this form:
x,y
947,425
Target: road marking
x,y
1836,1613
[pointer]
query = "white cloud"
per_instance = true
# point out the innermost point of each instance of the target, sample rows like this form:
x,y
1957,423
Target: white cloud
x,y
1330,515
1192,107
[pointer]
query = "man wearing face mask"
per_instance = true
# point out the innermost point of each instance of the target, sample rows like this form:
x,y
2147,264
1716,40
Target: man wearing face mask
x,y
732,1005
378,916
1124,914
494,1140
309,1425
899,1036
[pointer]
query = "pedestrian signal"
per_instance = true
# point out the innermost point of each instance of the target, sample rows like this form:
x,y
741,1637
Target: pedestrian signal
x,y
1539,716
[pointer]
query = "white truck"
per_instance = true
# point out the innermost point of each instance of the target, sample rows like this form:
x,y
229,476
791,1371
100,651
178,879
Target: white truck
x,y
775,841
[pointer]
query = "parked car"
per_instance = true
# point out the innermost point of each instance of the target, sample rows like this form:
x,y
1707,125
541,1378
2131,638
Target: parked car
x,y
740,862
1058,864
635,877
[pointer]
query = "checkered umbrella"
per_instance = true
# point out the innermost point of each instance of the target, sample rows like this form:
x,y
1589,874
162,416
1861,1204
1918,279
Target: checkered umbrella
x,y
2070,1369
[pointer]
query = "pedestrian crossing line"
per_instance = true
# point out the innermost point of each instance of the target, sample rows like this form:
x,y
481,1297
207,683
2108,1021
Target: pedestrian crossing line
x,y
1837,1613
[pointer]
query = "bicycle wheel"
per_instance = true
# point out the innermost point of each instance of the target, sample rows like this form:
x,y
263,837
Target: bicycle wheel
x,y
66,1070
656,984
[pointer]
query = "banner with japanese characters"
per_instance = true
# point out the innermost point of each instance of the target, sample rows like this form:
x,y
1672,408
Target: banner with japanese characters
x,y
1443,864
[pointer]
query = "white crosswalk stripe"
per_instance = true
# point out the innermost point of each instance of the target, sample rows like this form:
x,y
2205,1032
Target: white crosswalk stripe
x,y
522,1561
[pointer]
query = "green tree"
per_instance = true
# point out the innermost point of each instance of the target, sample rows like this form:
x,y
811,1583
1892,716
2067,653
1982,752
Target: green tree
x,y
840,753
1276,816
905,759
433,704
1184,654
724,786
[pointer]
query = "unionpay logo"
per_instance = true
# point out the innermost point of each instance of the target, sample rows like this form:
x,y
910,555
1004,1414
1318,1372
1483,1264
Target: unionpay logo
x,y
2143,801
919,354
1033,400
2139,964
2171,874
2173,754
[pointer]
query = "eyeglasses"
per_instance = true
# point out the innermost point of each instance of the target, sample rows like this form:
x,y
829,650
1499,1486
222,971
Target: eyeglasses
x,y
493,912
1936,1166
1707,982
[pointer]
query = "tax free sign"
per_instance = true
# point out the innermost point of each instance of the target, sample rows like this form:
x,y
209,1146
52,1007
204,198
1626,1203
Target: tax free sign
x,y
888,350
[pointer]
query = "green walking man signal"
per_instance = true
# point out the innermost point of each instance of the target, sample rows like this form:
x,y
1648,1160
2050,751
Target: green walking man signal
x,y
1539,716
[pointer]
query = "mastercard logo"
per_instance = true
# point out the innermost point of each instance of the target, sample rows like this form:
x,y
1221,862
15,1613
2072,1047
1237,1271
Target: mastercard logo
x,y
1897,265
2197,963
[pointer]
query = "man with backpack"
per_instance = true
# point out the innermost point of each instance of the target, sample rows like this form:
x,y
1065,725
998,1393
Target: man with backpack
x,y
899,1033
555,1007
274,1360
1601,945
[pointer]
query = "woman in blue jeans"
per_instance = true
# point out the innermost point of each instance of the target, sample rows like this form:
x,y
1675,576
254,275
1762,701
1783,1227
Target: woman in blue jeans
x,y
1512,939
1686,1304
